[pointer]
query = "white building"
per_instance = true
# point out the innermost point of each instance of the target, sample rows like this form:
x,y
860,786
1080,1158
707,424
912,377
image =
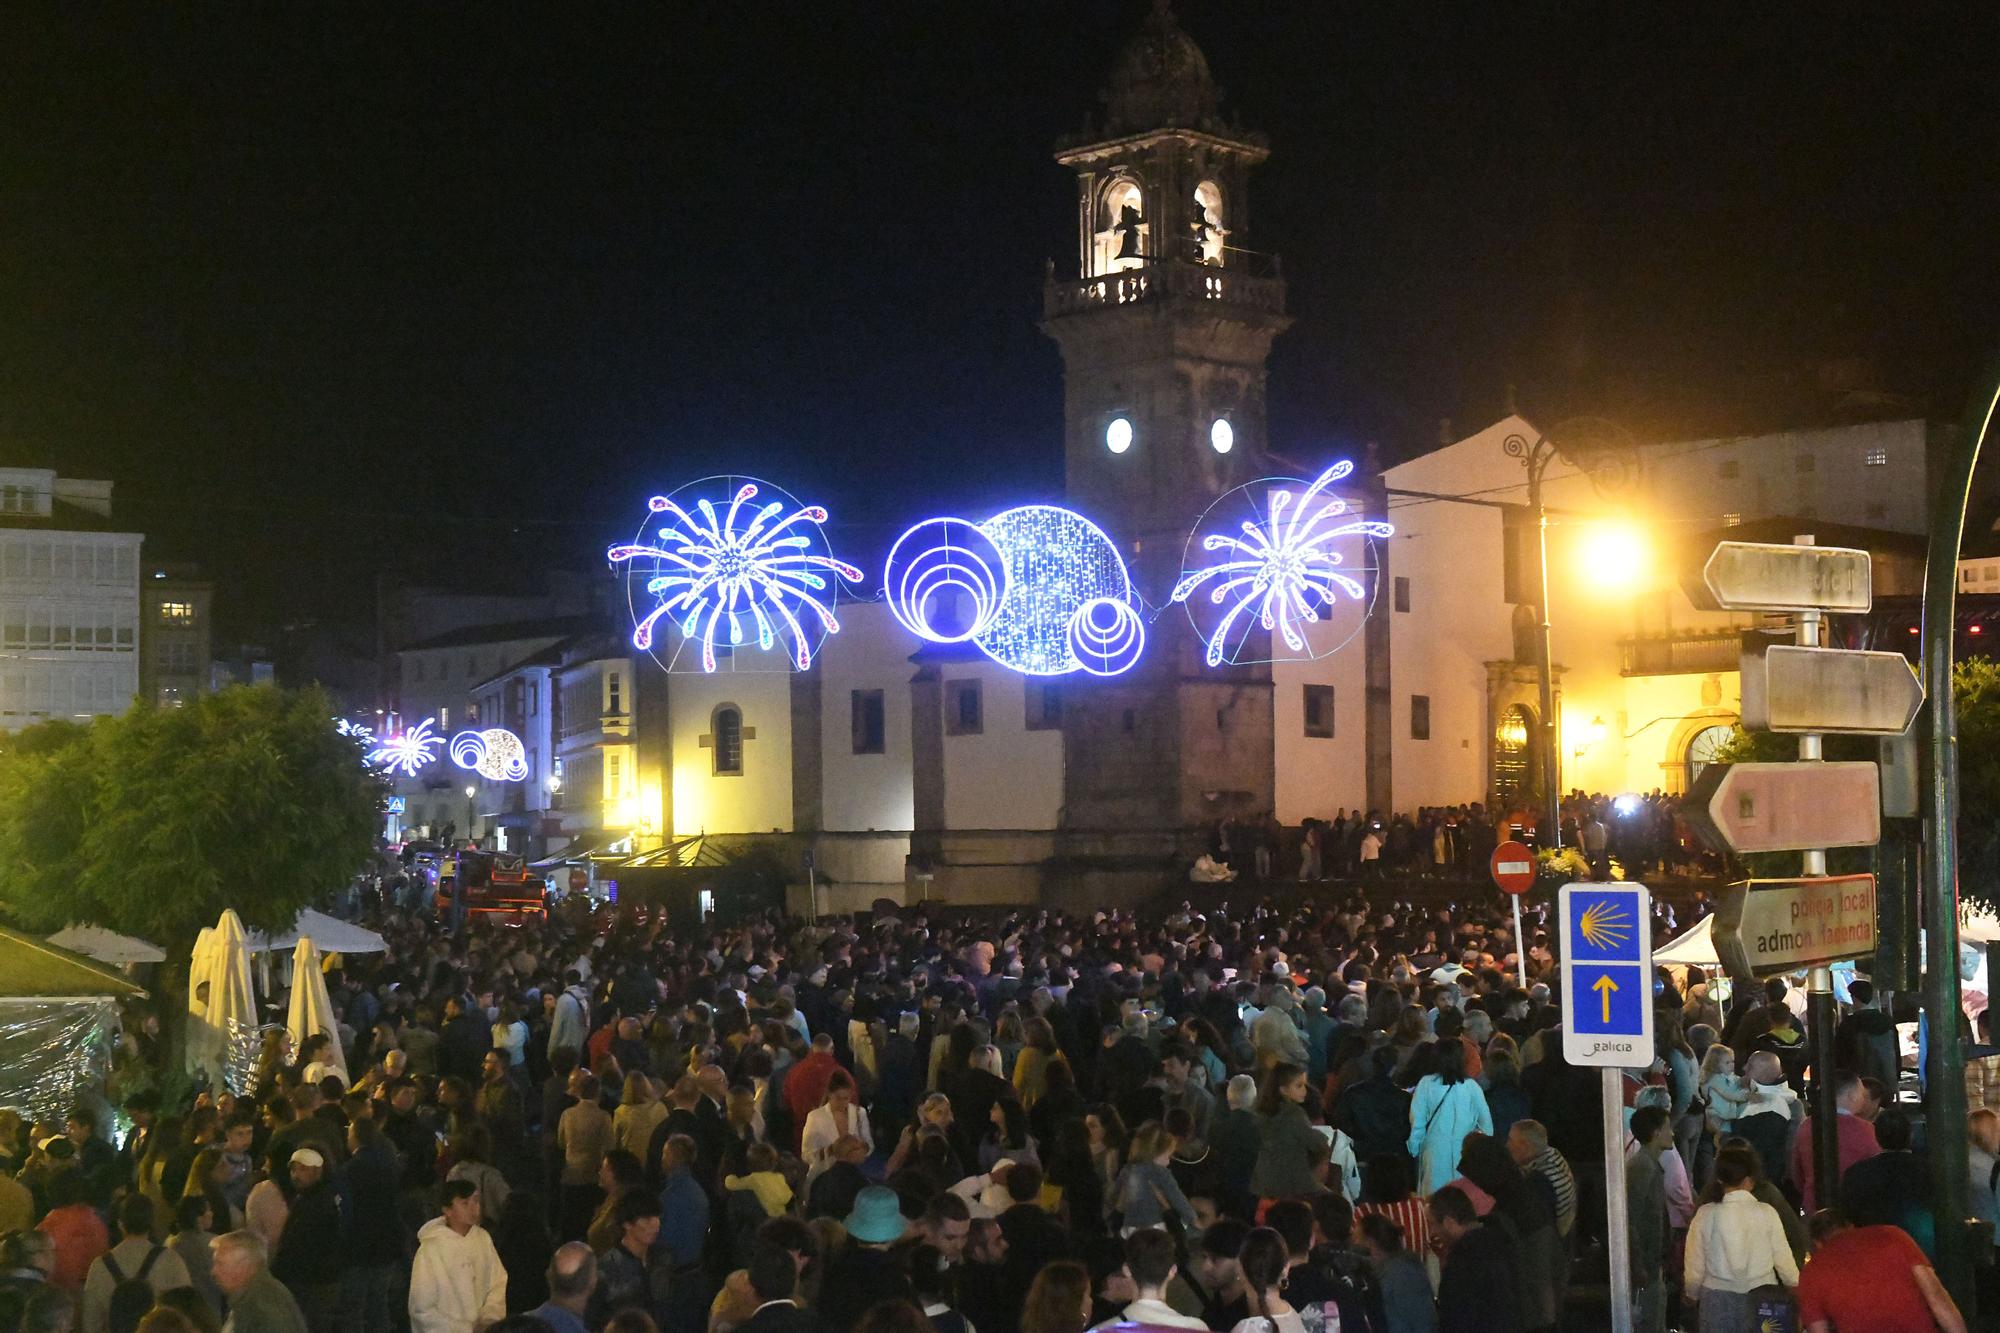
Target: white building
x,y
69,600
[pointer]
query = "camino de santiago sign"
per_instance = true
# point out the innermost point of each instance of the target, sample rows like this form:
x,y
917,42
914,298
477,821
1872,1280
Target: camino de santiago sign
x,y
1607,975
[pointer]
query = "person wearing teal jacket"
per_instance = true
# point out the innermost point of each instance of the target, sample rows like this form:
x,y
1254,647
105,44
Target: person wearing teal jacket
x,y
1446,1107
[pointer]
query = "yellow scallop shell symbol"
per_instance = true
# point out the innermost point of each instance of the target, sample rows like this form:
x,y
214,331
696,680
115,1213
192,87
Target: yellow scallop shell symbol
x,y
1605,925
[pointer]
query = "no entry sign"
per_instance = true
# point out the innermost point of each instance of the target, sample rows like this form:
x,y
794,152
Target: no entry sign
x,y
1513,867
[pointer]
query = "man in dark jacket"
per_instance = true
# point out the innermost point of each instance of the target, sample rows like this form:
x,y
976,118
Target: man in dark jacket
x,y
376,1234
463,1041
1375,1113
1865,1042
311,1249
1034,1238
1477,1291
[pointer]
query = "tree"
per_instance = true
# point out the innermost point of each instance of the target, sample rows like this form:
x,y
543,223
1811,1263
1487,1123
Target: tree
x,y
153,822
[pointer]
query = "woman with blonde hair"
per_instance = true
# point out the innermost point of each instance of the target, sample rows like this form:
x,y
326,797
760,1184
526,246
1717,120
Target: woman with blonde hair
x,y
1059,1302
1031,1066
639,1113
1147,1190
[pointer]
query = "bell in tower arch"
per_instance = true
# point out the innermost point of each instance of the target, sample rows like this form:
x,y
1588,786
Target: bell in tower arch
x,y
1128,233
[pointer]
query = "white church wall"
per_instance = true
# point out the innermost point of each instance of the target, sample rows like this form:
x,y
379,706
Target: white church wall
x,y
1005,776
860,792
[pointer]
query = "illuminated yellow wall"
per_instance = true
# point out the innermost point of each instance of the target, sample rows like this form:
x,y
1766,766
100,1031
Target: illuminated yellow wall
x,y
760,799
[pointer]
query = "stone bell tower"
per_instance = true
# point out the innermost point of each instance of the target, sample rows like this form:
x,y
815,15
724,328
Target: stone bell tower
x,y
1164,331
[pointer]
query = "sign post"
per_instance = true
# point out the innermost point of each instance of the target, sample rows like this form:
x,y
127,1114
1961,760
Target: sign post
x,y
1607,1004
1513,869
1804,689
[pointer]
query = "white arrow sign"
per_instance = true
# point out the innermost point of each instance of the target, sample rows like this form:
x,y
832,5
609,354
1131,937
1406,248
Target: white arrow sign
x,y
1759,576
1787,688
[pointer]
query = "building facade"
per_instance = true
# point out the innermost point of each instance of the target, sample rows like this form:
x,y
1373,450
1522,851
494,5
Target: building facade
x,y
175,635
69,600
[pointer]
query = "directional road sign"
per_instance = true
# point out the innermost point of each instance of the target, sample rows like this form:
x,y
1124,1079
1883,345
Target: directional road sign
x,y
1607,975
1756,576
1787,688
1786,807
1513,867
1769,927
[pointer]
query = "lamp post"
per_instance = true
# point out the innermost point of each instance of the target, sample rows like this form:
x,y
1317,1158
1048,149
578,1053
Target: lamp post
x,y
1605,452
470,792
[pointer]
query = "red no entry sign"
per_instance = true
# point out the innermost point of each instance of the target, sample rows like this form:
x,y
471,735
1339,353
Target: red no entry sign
x,y
1513,867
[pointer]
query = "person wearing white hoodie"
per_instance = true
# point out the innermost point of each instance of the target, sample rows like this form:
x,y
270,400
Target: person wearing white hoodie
x,y
458,1284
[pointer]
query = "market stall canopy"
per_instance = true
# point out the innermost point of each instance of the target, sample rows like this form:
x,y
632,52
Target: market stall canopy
x,y
329,933
1694,949
36,968
107,946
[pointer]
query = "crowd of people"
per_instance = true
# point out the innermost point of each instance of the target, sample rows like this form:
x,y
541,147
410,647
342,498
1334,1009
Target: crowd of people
x,y
1350,1117
1645,833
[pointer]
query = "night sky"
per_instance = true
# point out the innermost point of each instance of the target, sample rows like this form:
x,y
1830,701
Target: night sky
x,y
456,289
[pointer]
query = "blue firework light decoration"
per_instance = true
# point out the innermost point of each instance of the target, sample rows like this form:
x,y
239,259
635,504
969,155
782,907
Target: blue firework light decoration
x,y
735,563
1270,567
1039,589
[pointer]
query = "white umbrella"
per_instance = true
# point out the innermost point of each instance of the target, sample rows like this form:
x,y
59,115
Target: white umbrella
x,y
232,1006
312,1008
330,933
107,946
1697,947
204,1043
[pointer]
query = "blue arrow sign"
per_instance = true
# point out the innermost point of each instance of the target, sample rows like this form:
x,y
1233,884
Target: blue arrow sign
x,y
1607,975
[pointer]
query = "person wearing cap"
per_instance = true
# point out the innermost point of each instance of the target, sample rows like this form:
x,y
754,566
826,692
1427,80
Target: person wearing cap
x,y
865,1271
312,1249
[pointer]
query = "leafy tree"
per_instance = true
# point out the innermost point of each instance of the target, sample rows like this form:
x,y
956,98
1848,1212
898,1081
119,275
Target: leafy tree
x,y
153,822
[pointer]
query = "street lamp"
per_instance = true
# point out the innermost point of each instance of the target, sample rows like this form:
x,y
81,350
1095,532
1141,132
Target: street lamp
x,y
470,792
1606,453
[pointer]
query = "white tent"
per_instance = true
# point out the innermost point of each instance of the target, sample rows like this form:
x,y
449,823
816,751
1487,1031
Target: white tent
x,y
107,946
329,933
312,1008
1694,949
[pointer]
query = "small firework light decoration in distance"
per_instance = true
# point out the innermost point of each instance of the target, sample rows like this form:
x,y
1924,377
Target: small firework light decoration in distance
x,y
1267,568
408,750
730,563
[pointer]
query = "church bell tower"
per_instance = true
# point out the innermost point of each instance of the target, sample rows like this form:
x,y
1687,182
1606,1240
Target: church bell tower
x,y
1165,331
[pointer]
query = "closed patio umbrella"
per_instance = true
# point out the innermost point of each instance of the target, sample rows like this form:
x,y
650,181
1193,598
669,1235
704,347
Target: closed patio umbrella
x,y
312,1007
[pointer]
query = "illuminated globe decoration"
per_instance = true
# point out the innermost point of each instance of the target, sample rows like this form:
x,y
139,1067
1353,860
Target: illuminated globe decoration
x,y
495,754
1266,568
730,559
408,750
1039,589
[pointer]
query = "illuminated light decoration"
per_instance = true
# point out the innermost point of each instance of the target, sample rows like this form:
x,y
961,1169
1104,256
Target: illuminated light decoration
x,y
366,735
1046,590
408,750
495,754
1118,435
1222,435
1106,636
1280,570
718,568
940,558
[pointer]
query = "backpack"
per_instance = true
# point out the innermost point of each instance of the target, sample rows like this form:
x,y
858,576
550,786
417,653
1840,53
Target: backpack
x,y
118,1274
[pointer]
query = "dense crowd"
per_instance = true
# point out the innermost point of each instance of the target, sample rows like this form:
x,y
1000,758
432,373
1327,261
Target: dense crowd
x,y
1350,1117
1646,834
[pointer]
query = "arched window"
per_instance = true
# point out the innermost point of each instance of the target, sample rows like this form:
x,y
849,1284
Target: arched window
x,y
1121,228
1211,228
726,727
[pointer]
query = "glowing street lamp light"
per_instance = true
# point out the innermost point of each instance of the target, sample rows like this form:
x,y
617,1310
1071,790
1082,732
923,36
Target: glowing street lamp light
x,y
1613,556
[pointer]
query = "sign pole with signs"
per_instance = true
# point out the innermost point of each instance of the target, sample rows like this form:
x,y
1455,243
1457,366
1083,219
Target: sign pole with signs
x,y
1607,1005
1513,868
1770,927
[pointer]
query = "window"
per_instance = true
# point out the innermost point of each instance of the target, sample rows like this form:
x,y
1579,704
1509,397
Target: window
x,y
867,721
1877,457
180,614
1991,574
1402,593
614,774
963,715
1805,463
614,695
444,719
1044,705
728,747
1130,722
534,698
417,669
1732,520
1728,469
1319,711
1420,717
